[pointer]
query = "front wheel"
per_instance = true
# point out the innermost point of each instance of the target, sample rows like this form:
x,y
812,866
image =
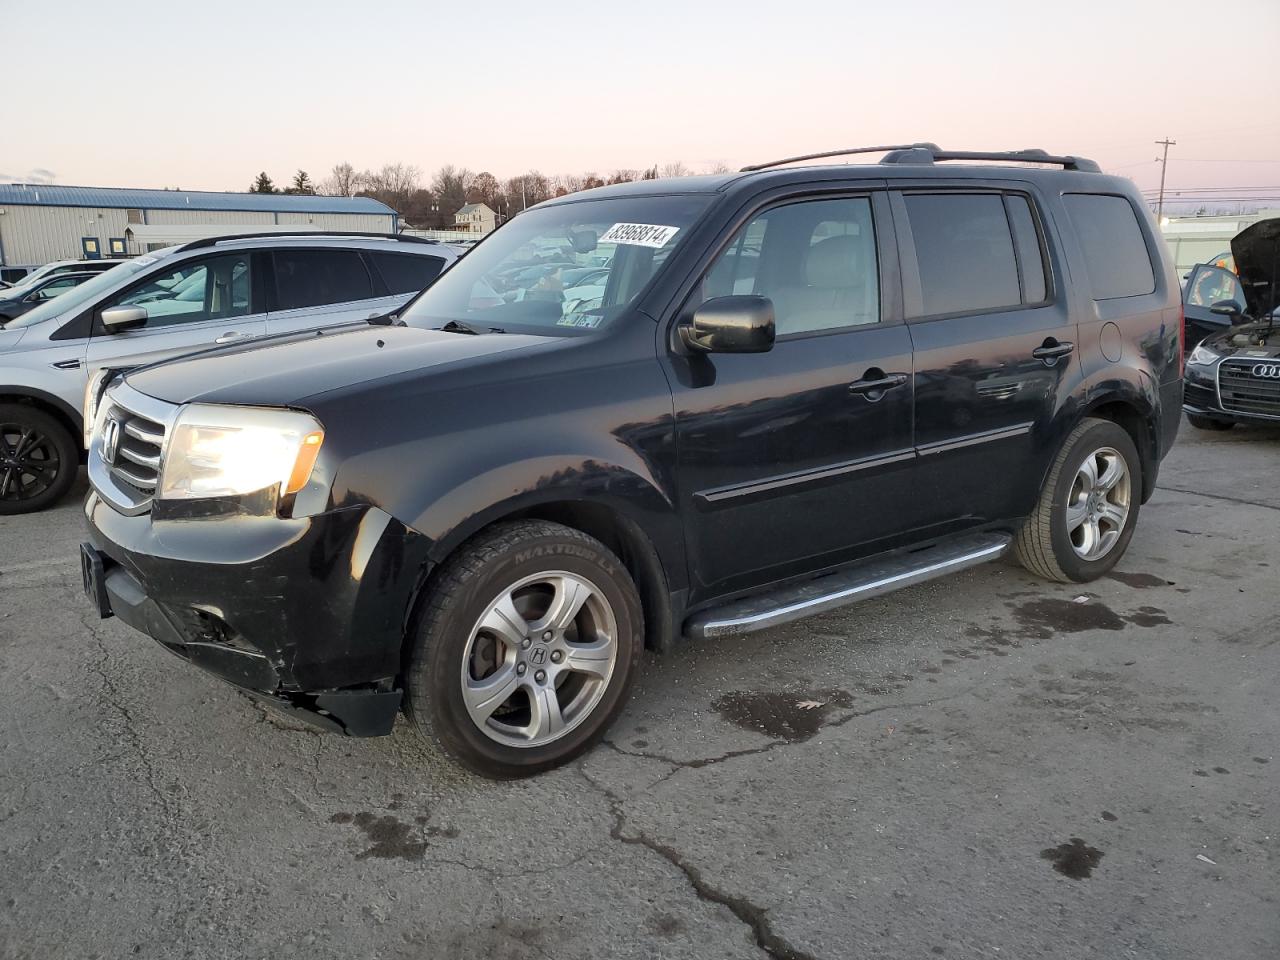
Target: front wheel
x,y
1088,508
528,643
38,459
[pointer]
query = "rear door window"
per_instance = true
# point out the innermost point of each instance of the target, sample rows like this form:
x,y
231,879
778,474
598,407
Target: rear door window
x,y
964,251
1115,253
314,278
406,272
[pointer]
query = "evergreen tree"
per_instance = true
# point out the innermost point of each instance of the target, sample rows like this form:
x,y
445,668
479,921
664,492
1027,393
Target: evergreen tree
x,y
301,184
263,184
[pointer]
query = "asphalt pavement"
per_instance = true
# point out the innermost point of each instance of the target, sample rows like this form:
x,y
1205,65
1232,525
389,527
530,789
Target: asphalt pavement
x,y
985,766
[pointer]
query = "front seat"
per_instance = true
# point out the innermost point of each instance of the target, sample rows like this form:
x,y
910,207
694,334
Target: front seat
x,y
836,291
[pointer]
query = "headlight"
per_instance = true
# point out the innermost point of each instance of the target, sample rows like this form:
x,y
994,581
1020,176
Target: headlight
x,y
1202,356
224,451
93,391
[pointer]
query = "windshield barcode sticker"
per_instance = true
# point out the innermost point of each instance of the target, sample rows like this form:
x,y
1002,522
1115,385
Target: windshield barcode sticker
x,y
640,234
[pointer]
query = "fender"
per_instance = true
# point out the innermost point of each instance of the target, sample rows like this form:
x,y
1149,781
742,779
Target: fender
x,y
11,391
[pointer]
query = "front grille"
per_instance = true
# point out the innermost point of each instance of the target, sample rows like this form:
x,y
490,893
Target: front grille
x,y
127,449
1242,392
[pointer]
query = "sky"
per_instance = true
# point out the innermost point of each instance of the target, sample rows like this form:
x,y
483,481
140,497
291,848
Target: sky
x,y
205,95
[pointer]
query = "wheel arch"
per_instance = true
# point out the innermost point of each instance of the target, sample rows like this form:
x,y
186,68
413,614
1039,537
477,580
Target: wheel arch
x,y
56,407
1137,419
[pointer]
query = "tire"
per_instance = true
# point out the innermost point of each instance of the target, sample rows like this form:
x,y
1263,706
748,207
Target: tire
x,y
528,568
39,459
1208,423
1056,546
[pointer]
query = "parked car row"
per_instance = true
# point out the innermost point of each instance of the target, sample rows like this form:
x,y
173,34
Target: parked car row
x,y
165,304
795,387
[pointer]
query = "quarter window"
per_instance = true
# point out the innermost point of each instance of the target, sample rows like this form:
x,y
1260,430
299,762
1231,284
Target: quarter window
x,y
1115,253
314,278
964,251
815,260
405,272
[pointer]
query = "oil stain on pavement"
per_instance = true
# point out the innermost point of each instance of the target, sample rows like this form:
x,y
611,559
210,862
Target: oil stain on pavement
x,y
389,837
1074,859
784,716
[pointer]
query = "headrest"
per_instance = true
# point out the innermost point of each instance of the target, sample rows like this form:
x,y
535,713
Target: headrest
x,y
834,262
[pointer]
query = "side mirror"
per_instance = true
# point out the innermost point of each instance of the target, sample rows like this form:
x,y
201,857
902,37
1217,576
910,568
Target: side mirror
x,y
738,324
119,319
1226,308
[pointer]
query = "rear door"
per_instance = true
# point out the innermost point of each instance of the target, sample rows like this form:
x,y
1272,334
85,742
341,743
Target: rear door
x,y
994,348
323,286
197,303
793,459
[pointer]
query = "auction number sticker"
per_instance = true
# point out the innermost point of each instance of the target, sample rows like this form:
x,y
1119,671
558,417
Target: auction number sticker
x,y
639,234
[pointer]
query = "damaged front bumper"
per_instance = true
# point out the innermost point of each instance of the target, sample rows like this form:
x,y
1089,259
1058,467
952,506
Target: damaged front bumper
x,y
307,615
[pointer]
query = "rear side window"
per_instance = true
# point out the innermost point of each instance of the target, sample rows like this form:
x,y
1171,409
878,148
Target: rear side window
x,y
313,278
964,251
1115,252
405,272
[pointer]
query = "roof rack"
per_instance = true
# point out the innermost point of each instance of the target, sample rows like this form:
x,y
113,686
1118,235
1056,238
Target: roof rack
x,y
306,235
932,153
838,153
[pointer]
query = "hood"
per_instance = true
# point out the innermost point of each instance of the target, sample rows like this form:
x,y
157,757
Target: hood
x,y
1257,253
284,371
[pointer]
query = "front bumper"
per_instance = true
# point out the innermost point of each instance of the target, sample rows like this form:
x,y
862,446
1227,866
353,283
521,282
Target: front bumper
x,y
308,615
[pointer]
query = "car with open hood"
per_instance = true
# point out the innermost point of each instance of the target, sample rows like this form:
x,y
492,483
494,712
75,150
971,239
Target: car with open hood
x,y
796,387
1233,373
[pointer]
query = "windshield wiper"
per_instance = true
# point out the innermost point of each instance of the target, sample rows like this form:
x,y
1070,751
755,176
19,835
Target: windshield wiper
x,y
457,326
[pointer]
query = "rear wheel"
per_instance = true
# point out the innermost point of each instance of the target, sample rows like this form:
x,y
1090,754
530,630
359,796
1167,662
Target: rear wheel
x,y
1208,423
526,649
38,459
1088,508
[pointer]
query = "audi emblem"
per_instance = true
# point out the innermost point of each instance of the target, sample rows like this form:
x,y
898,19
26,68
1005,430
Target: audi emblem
x,y
1266,371
110,440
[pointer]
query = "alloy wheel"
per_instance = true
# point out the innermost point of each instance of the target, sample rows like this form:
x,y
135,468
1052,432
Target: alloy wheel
x,y
1098,504
29,462
539,659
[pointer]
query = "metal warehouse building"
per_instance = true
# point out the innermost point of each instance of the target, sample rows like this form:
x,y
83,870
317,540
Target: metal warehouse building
x,y
40,223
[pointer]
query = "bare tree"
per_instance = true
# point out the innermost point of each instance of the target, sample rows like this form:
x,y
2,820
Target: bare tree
x,y
676,169
395,185
719,167
449,186
484,188
343,181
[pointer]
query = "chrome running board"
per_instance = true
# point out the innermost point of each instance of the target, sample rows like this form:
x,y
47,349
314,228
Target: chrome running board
x,y
870,579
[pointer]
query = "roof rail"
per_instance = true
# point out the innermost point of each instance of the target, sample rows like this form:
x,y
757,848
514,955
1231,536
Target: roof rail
x,y
933,147
932,153
928,153
303,235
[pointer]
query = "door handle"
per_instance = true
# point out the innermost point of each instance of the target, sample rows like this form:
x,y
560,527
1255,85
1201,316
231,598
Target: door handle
x,y
1051,350
877,382
230,337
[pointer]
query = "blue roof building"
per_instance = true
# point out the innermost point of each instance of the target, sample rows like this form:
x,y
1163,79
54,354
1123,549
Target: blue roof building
x,y
44,222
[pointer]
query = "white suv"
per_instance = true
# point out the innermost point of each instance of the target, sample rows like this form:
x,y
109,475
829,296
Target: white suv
x,y
175,301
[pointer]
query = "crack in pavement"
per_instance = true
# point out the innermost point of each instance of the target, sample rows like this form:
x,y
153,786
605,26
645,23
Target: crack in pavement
x,y
114,698
699,762
1217,496
752,915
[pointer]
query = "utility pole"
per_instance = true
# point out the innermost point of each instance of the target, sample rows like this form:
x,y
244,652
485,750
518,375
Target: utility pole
x,y
1164,163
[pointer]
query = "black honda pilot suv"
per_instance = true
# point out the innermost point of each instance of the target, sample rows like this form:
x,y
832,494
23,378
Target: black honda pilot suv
x,y
679,408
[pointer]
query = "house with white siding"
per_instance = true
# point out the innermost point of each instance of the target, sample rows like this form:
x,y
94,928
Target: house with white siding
x,y
42,222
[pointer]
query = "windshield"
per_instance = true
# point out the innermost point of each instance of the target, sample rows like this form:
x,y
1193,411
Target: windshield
x,y
87,292
566,269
